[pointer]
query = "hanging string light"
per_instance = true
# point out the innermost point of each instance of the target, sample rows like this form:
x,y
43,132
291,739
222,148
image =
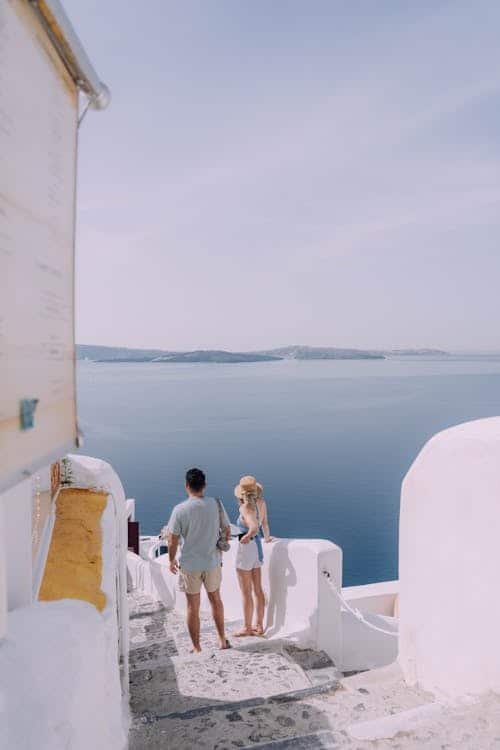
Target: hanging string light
x,y
37,512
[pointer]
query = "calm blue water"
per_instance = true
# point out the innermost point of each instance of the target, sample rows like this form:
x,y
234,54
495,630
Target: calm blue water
x,y
330,441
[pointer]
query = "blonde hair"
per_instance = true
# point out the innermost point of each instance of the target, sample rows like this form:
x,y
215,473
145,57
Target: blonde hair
x,y
249,498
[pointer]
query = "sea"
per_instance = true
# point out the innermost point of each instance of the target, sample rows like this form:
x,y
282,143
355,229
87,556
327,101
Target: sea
x,y
329,440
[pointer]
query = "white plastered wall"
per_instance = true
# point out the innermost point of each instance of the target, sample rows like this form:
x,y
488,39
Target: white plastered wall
x,y
16,505
3,577
450,562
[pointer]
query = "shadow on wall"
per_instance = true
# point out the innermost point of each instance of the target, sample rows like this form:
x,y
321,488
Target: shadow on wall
x,y
282,576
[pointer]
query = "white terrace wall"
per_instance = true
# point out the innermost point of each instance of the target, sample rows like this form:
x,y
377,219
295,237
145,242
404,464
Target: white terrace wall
x,y
364,648
59,682
300,607
450,562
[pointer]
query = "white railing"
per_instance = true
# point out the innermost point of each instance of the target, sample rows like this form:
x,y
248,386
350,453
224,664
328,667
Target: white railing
x,y
155,551
353,610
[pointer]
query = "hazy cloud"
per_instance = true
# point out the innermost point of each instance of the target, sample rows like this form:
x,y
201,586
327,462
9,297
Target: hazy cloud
x,y
325,173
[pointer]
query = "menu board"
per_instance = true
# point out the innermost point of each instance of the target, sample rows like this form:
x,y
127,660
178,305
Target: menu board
x,y
38,131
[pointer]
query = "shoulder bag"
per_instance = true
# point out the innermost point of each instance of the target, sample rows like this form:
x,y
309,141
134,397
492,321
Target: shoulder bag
x,y
222,542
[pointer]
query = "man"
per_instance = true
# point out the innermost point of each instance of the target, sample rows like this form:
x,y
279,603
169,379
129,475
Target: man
x,y
197,521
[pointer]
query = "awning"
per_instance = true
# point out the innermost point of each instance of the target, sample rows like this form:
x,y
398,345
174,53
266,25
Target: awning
x,y
70,50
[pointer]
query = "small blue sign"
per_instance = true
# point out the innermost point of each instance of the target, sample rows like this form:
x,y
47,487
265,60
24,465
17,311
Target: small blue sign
x,y
27,412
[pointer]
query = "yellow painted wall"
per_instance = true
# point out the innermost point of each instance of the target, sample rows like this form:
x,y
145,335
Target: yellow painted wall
x,y
74,562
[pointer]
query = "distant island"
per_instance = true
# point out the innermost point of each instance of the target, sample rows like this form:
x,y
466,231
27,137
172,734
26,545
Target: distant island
x,y
322,352
125,355
208,355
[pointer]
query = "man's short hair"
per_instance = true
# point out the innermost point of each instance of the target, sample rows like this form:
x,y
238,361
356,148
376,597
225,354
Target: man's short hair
x,y
195,480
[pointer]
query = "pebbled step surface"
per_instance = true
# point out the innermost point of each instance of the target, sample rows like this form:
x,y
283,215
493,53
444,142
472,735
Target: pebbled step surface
x,y
177,683
271,695
204,699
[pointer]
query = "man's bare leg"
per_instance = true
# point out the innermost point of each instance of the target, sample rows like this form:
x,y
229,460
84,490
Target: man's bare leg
x,y
193,620
218,615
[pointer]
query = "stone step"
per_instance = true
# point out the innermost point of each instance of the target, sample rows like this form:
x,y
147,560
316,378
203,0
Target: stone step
x,y
315,741
256,692
177,683
234,707
225,726
140,605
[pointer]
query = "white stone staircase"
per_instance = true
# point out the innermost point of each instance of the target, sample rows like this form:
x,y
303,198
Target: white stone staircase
x,y
248,695
273,696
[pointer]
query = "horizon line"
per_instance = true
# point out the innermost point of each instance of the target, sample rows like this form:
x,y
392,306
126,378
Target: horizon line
x,y
449,350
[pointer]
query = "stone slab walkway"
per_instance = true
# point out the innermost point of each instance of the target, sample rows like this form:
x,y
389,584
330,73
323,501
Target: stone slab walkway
x,y
273,696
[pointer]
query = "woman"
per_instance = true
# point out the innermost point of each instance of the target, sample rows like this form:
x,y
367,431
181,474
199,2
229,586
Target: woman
x,y
249,557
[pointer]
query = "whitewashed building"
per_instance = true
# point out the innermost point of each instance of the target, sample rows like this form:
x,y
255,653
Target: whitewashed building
x,y
59,659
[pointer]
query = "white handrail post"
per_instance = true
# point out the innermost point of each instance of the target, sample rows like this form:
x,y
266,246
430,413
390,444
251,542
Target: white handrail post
x,y
329,632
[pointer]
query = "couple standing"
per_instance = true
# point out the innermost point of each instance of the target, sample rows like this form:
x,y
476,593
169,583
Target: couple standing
x,y
204,527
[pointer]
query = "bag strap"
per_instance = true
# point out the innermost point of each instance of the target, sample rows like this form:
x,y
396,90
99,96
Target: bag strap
x,y
221,515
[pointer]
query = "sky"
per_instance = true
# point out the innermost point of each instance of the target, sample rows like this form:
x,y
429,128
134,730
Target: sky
x,y
274,172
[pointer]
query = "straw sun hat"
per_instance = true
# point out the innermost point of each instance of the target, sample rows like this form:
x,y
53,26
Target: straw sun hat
x,y
248,485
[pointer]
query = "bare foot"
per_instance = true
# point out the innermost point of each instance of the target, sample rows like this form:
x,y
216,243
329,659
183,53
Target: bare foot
x,y
195,650
243,633
259,630
224,645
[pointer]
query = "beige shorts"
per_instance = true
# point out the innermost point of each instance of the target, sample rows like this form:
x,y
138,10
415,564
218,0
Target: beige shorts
x,y
190,580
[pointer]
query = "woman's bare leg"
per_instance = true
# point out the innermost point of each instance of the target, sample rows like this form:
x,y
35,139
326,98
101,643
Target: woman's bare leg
x,y
245,581
260,601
